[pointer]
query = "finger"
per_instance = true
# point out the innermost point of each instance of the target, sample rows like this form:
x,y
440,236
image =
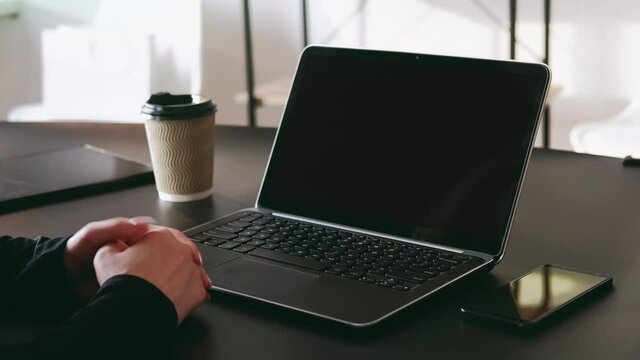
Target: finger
x,y
112,248
106,255
102,232
143,219
197,257
205,294
119,246
179,235
206,280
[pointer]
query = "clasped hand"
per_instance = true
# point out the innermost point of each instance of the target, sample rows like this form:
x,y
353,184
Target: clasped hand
x,y
163,256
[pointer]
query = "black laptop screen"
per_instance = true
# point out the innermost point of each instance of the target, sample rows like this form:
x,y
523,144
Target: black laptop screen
x,y
427,147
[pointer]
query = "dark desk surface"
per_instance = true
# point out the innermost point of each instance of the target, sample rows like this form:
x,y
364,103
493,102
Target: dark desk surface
x,y
576,210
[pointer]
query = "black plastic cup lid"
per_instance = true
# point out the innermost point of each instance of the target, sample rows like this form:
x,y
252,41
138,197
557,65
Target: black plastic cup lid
x,y
168,106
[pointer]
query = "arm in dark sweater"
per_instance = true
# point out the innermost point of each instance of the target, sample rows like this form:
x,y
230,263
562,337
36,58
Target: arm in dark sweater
x,y
128,317
34,280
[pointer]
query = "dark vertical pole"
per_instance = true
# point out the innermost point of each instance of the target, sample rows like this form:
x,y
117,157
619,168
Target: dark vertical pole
x,y
513,10
305,24
546,135
248,47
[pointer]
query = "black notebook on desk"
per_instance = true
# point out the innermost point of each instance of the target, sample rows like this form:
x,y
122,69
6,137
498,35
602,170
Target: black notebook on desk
x,y
59,175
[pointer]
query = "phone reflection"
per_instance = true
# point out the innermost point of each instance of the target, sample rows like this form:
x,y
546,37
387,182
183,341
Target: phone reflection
x,y
545,289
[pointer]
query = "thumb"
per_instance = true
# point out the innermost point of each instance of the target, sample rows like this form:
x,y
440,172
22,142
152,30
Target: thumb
x,y
112,248
105,259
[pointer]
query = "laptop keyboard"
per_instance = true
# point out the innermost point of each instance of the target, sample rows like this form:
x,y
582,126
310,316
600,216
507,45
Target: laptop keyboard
x,y
350,255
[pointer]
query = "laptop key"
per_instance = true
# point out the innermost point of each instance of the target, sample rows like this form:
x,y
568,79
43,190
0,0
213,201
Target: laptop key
x,y
384,283
290,242
398,267
242,239
250,218
264,220
448,261
335,270
360,266
270,246
275,239
378,270
354,274
256,242
262,236
289,259
300,252
229,245
238,223
221,234
400,287
201,238
215,242
411,277
441,267
244,248
230,229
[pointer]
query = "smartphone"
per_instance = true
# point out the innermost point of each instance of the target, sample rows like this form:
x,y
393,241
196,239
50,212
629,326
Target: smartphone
x,y
536,295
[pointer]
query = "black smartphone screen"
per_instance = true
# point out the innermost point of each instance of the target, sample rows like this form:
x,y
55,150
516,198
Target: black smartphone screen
x,y
537,294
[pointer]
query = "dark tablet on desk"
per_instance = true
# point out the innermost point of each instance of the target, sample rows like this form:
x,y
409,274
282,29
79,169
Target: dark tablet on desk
x,y
59,175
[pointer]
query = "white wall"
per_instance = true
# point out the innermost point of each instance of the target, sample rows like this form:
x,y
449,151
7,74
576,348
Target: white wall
x,y
277,40
594,52
410,25
20,63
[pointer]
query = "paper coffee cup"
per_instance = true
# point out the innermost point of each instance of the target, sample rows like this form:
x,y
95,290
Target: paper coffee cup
x,y
180,133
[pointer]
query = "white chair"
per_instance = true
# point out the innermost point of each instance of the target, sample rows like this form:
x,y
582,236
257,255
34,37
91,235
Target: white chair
x,y
617,136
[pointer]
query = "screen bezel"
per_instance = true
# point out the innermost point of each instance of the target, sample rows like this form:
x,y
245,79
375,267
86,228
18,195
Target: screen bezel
x,y
533,69
605,280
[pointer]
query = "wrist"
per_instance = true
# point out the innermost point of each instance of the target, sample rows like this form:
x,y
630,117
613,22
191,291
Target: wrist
x,y
134,290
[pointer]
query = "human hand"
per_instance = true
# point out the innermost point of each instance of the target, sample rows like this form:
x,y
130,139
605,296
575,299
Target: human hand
x,y
83,245
163,257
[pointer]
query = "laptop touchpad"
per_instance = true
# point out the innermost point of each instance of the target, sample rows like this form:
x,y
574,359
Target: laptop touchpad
x,y
257,277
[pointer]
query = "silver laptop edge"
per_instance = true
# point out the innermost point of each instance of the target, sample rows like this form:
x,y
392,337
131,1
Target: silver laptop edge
x,y
458,278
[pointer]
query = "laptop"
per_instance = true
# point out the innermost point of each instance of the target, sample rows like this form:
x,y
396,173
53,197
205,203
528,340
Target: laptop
x,y
392,176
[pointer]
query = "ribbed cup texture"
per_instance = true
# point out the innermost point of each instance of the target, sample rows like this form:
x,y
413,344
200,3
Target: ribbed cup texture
x,y
182,154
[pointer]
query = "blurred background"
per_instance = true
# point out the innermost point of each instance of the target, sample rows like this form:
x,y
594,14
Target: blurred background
x,y
98,60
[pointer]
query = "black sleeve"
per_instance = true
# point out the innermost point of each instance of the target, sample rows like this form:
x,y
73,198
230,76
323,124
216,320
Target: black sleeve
x,y
35,280
129,318
15,252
